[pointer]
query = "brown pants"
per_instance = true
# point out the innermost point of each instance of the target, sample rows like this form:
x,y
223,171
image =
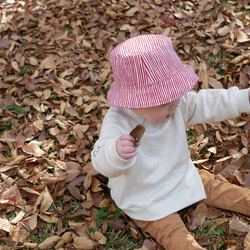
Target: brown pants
x,y
170,231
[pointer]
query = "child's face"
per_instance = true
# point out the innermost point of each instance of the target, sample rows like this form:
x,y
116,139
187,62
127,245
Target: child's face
x,y
159,114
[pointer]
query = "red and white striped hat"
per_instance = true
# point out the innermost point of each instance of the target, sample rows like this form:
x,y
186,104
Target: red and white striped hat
x,y
147,73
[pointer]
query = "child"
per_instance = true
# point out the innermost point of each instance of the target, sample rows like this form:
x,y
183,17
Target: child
x,y
155,180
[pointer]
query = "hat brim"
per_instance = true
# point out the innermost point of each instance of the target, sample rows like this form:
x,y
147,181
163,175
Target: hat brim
x,y
154,94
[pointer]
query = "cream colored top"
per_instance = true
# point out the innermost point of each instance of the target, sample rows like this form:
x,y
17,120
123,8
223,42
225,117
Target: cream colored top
x,y
161,179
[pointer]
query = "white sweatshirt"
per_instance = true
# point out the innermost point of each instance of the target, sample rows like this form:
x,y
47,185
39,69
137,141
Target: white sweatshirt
x,y
161,179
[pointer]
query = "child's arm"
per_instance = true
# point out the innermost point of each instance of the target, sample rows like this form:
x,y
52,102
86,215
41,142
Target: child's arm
x,y
125,147
113,156
214,105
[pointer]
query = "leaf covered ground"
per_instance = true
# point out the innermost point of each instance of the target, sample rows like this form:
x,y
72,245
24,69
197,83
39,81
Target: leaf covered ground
x,y
54,77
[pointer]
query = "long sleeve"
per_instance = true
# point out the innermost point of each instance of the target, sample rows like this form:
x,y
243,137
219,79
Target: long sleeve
x,y
107,161
212,105
104,156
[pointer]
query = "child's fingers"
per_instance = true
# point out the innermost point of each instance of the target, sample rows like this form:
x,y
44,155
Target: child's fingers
x,y
126,137
125,146
125,140
128,155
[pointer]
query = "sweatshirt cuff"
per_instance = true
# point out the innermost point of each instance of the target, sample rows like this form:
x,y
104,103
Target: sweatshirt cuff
x,y
119,162
244,105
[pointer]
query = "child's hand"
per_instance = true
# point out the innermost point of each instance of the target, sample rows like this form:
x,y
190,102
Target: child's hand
x,y
125,146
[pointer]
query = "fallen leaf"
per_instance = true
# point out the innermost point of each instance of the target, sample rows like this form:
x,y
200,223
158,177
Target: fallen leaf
x,y
238,227
199,216
99,237
137,133
84,243
49,242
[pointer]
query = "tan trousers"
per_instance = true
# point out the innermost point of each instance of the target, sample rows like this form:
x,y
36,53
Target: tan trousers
x,y
170,231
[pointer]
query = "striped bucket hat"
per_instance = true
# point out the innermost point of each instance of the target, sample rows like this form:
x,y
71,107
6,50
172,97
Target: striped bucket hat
x,y
147,72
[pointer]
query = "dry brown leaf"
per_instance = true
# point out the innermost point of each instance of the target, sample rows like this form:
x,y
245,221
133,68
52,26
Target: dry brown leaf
x,y
131,11
99,237
81,128
199,216
5,225
74,191
90,107
223,31
30,245
18,217
47,63
147,245
242,37
215,83
238,227
49,242
111,13
204,77
247,242
65,238
46,201
137,133
39,124
49,218
84,243
15,65
96,185
33,61
33,221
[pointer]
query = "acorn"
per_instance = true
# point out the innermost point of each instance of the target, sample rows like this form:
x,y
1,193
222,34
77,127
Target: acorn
x,y
137,133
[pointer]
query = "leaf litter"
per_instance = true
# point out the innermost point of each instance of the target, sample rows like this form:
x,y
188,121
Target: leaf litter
x,y
55,74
